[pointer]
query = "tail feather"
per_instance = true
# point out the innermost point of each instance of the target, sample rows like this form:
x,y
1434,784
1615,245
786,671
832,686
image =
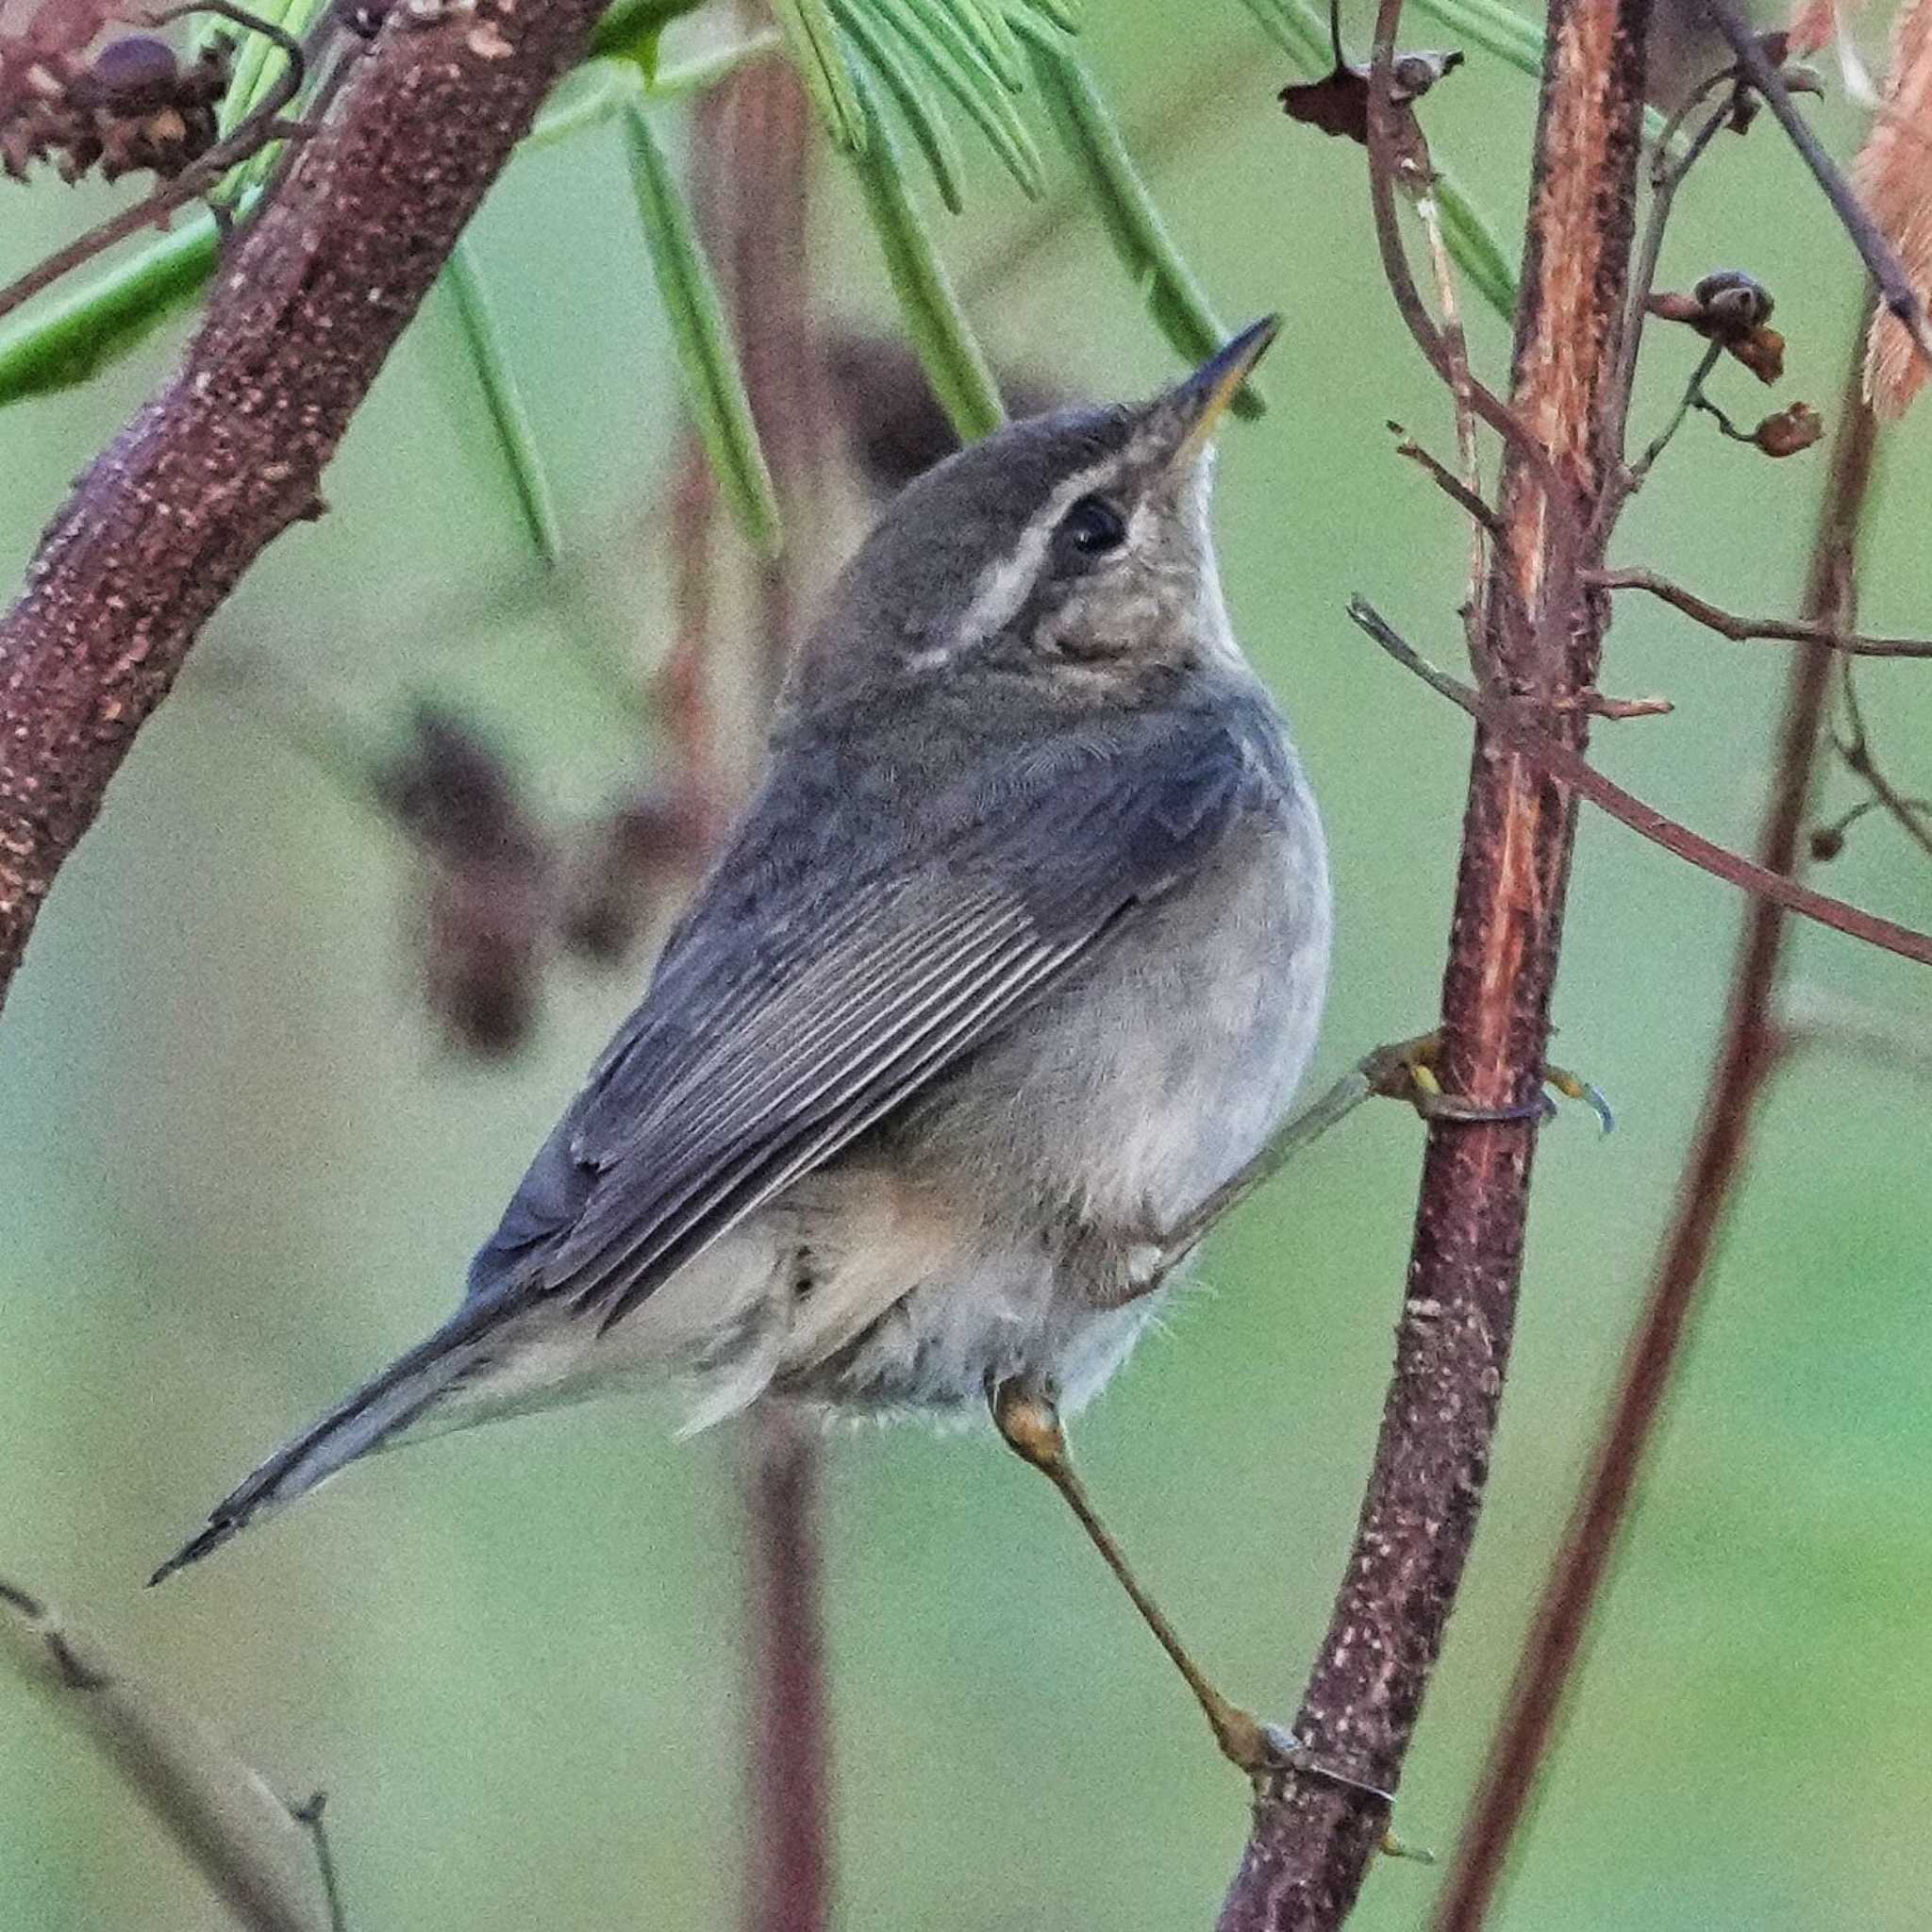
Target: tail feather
x,y
376,1417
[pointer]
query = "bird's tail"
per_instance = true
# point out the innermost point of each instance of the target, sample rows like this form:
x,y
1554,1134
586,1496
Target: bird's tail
x,y
377,1416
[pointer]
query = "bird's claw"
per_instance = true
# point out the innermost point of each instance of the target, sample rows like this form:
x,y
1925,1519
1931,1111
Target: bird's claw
x,y
1406,1072
1267,1751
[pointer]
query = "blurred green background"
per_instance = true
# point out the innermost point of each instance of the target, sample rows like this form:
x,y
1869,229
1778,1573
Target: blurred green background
x,y
239,1176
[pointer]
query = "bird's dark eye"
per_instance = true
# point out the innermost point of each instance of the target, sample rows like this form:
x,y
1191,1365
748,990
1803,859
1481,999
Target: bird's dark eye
x,y
1092,528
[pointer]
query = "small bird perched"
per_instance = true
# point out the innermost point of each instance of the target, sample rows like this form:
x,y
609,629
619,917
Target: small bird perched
x,y
1012,963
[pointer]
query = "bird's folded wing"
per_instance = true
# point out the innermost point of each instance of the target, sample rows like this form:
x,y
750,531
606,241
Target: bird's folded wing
x,y
756,1058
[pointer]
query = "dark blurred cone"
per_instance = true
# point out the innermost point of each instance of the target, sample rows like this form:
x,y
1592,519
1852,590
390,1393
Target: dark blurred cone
x,y
636,862
486,883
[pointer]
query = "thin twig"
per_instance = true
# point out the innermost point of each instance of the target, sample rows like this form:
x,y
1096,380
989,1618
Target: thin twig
x,y
1456,344
1880,259
308,1814
1511,723
1746,629
262,126
1386,124
1855,747
239,1835
1745,1063
1693,397
1446,480
1667,172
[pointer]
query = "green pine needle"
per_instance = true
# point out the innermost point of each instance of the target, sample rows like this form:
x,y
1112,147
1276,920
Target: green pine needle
x,y
1176,299
713,382
820,57
936,324
508,416
924,117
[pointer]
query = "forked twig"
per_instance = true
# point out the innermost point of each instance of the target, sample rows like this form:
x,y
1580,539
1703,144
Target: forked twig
x,y
1855,747
1506,722
1383,145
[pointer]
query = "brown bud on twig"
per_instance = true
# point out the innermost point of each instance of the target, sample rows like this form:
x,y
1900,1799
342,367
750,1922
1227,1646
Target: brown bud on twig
x,y
1789,431
132,105
1731,309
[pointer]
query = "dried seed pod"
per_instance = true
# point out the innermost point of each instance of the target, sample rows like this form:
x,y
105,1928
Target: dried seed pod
x,y
132,105
486,888
1728,308
134,74
1790,430
1732,303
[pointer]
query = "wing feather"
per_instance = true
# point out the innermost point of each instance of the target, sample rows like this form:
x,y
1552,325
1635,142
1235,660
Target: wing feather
x,y
788,1020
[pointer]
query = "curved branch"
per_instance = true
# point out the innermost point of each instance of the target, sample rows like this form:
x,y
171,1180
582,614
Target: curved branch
x,y
231,452
1789,630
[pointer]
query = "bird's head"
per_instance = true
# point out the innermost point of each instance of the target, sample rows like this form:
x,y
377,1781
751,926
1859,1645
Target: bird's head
x,y
1071,549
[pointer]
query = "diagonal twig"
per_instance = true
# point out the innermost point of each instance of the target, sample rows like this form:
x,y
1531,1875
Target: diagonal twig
x,y
1880,257
241,1837
1799,630
1855,747
1567,767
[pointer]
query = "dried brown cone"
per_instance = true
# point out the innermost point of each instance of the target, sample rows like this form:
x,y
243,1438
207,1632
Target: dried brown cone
x,y
1893,174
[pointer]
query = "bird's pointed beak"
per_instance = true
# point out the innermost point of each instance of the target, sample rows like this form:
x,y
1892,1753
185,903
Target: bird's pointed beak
x,y
1204,397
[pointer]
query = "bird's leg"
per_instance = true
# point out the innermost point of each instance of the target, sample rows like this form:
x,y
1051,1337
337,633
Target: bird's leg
x,y
1403,1071
1029,1423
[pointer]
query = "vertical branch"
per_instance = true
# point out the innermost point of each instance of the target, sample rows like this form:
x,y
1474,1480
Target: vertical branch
x,y
753,149
788,1876
1746,1058
1313,1838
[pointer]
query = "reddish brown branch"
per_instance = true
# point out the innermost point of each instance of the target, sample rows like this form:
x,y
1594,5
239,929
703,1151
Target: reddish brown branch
x,y
1745,1061
754,150
1311,1841
1797,630
1508,721
231,452
787,1760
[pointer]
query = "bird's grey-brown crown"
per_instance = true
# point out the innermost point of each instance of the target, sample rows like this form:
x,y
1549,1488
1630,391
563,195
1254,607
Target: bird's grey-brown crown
x,y
1076,539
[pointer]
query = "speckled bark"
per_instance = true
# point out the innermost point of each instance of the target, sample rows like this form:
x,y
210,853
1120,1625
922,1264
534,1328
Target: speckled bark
x,y
231,452
1312,1840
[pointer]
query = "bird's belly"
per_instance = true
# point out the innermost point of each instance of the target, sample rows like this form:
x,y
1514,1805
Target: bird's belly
x,y
1062,1154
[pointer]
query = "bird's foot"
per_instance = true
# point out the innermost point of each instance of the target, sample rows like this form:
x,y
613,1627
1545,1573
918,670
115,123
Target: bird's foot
x,y
1406,1071
1268,1753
